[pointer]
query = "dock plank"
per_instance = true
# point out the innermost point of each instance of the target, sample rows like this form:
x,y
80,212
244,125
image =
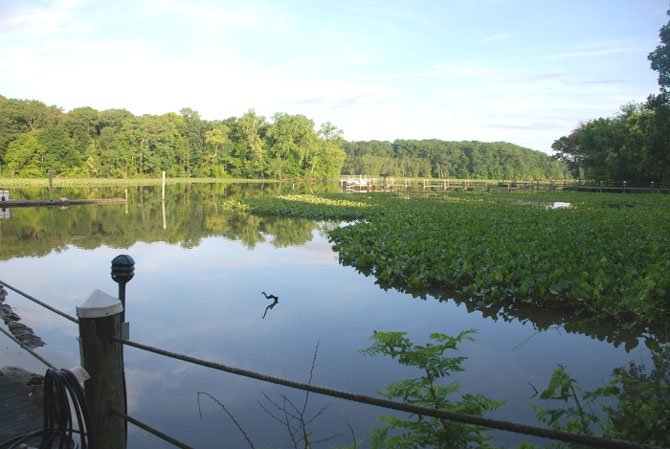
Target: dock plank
x,y
18,414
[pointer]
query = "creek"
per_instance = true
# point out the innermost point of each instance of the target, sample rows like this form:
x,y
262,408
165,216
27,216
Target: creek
x,y
200,270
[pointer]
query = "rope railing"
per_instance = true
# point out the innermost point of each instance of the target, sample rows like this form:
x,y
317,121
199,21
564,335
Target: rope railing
x,y
122,272
30,351
490,423
146,427
41,303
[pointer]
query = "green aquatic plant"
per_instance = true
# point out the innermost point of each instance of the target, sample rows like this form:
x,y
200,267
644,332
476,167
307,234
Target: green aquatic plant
x,y
607,257
634,405
428,389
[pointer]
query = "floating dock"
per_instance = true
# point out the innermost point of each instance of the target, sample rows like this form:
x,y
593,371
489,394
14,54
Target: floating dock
x,y
19,415
60,202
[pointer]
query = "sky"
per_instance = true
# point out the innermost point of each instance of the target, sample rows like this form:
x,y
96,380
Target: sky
x,y
519,71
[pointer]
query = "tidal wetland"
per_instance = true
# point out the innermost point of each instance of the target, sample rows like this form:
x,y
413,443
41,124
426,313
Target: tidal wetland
x,y
584,286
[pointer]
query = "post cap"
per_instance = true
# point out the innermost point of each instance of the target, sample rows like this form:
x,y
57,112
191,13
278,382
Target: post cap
x,y
98,305
123,268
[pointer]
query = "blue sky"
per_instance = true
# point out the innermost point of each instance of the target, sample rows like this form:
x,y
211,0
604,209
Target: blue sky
x,y
521,71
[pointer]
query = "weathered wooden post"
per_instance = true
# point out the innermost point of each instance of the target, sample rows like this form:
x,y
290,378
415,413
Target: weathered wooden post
x,y
51,184
99,320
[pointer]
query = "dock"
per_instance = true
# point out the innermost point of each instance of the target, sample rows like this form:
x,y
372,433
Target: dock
x,y
18,415
62,202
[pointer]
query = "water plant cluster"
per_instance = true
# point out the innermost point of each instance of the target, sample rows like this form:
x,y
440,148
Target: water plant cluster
x,y
605,256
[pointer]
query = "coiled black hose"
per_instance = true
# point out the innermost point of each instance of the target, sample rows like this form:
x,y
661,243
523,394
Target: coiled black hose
x,y
63,400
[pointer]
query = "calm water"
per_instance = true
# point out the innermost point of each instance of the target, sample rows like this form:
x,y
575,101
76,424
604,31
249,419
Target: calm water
x,y
200,270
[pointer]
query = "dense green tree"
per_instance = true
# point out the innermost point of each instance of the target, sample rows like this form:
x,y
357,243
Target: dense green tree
x,y
660,57
249,158
442,159
60,156
24,116
292,145
25,156
193,130
217,147
658,149
83,126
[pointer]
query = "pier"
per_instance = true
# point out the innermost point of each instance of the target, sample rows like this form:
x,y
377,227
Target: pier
x,y
361,183
63,202
19,416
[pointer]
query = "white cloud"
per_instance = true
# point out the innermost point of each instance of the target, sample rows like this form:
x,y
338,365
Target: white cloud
x,y
496,38
596,53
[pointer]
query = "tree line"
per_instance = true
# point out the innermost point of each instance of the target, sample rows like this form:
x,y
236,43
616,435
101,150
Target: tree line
x,y
442,159
36,139
634,145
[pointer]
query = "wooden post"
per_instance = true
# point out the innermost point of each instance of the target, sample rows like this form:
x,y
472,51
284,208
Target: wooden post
x,y
99,320
51,185
163,188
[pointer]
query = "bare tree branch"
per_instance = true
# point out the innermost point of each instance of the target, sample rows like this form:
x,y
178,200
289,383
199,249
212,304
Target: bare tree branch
x,y
230,415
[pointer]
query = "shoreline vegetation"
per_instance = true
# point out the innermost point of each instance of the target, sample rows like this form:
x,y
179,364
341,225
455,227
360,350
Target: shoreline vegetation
x,y
36,140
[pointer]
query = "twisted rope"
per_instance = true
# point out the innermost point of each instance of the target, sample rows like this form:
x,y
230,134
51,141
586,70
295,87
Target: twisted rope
x,y
153,431
441,414
43,304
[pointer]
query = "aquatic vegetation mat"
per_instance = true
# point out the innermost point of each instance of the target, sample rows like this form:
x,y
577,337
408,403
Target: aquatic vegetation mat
x,y
605,255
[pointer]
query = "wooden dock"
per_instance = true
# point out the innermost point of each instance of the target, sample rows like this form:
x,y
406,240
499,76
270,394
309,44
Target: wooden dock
x,y
63,202
390,184
18,415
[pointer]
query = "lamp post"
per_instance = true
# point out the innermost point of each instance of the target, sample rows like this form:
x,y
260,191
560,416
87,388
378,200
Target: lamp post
x,y
123,270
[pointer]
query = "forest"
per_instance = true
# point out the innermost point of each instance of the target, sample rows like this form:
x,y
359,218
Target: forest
x,y
36,139
441,159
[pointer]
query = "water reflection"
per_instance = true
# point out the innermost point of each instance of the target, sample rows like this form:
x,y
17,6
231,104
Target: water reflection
x,y
189,214
197,291
275,301
193,212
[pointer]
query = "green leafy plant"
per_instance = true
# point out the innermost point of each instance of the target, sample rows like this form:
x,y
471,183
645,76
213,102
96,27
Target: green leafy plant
x,y
582,412
633,406
643,411
428,390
